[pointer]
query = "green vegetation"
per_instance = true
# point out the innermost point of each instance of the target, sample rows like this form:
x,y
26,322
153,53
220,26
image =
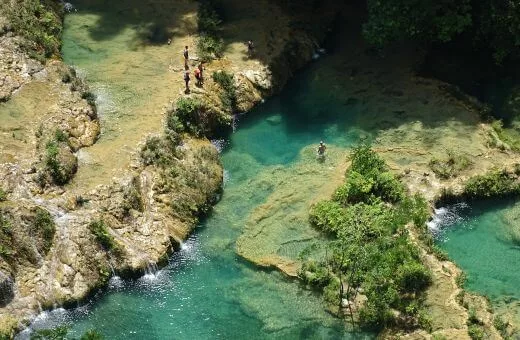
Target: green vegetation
x,y
371,249
43,226
3,195
53,164
229,95
100,230
508,138
6,237
210,45
60,136
496,183
451,166
60,333
490,24
501,325
39,22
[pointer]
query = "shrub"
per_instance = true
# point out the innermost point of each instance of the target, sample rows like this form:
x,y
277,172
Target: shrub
x,y
103,237
501,325
476,332
43,225
3,195
60,136
58,333
89,97
39,22
493,184
152,152
228,96
60,172
208,20
209,47
413,277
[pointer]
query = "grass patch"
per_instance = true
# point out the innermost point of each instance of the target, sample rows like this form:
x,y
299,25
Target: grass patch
x,y
371,249
100,230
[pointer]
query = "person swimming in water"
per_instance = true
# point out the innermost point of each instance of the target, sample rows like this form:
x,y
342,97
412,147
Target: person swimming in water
x,y
321,149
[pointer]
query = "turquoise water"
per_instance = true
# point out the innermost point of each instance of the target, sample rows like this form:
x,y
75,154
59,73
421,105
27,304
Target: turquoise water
x,y
207,291
478,239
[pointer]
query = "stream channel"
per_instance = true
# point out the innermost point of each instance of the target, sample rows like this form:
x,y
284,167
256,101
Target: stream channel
x,y
207,291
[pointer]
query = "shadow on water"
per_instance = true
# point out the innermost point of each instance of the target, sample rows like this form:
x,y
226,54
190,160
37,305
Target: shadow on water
x,y
154,20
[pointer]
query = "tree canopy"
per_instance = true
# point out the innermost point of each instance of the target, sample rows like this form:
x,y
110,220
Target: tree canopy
x,y
491,24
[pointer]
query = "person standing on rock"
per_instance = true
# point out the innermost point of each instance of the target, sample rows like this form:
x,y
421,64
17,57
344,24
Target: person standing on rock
x,y
250,48
187,81
201,71
186,54
198,77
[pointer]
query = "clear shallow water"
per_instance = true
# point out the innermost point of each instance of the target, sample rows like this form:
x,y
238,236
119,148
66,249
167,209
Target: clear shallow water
x,y
478,239
208,291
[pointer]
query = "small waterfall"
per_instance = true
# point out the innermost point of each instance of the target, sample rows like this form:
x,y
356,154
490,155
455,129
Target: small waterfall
x,y
151,272
447,216
219,144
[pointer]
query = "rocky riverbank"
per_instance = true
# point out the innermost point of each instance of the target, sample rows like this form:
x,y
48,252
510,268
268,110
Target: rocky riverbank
x,y
60,242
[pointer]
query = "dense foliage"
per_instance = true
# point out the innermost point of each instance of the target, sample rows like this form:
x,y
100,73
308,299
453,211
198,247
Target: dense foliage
x,y
490,23
493,184
371,250
228,95
210,45
38,21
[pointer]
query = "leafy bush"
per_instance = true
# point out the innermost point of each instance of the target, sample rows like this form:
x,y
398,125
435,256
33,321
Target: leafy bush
x,y
367,216
208,20
60,136
476,332
229,95
58,333
43,225
209,45
413,277
103,237
492,184
367,178
39,22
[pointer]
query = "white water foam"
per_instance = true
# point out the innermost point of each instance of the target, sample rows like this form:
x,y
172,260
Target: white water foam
x,y
445,217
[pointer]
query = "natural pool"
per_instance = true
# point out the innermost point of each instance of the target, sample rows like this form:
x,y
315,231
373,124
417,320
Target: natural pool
x,y
207,291
479,238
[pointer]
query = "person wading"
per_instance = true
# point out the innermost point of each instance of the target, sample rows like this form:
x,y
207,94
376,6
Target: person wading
x,y
321,149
